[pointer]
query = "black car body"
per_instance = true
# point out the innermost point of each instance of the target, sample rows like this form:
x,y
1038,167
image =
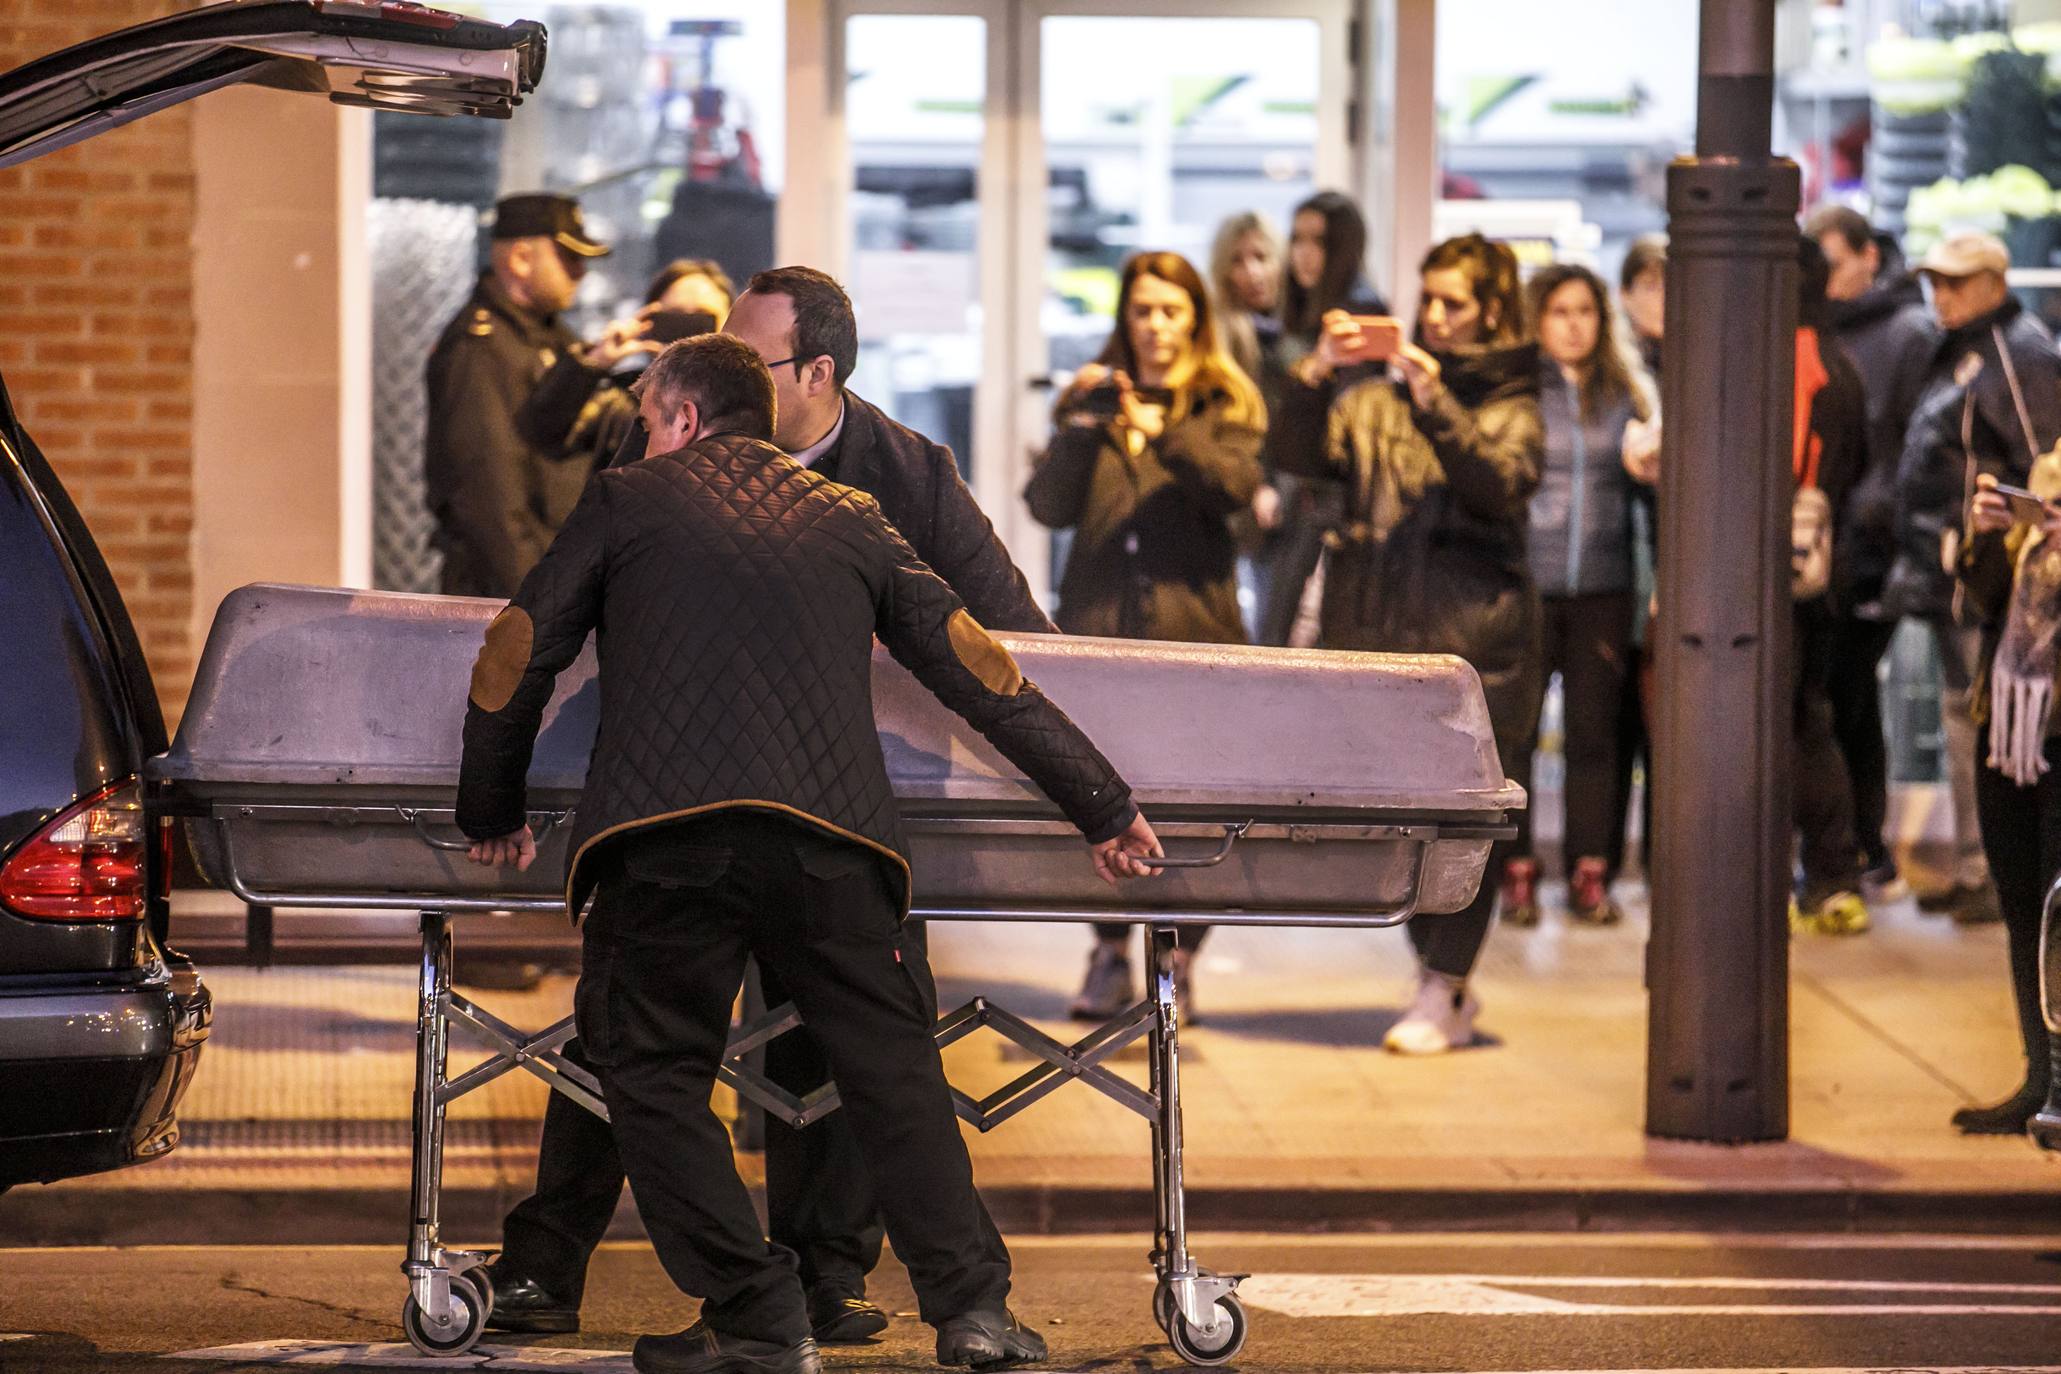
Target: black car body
x,y
101,1023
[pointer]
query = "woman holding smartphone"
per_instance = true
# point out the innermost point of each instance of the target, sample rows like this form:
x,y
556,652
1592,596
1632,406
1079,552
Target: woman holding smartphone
x,y
1327,243
1599,451
2010,574
1154,446
1439,451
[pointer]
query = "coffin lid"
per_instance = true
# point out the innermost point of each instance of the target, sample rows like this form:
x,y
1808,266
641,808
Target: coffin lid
x,y
322,687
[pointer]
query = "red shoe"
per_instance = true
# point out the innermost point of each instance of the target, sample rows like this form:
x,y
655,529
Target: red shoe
x,y
1518,896
1588,894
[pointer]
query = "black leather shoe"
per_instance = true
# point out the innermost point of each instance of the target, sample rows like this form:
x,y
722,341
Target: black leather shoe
x,y
700,1350
839,1316
987,1340
523,1304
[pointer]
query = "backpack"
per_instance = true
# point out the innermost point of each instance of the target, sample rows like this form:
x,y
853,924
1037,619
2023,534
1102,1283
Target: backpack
x,y
1810,510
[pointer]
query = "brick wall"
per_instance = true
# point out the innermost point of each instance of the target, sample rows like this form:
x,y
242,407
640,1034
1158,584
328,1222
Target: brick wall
x,y
96,330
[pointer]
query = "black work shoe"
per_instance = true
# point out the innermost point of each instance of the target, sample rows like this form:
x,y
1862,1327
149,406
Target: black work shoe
x,y
523,1304
987,1340
838,1316
701,1350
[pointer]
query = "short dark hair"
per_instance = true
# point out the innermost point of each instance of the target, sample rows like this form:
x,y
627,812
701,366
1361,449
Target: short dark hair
x,y
823,323
1813,275
1647,252
679,269
727,382
1844,221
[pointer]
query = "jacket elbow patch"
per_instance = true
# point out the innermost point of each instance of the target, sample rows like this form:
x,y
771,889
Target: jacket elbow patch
x,y
983,655
503,659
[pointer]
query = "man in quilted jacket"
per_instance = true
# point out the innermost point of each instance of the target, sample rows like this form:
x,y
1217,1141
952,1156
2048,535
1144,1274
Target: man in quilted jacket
x,y
819,1195
738,804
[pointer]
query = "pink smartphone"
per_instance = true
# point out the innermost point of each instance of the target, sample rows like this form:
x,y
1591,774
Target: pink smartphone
x,y
1380,337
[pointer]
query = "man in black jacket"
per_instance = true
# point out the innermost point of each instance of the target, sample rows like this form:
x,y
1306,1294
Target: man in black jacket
x,y
1991,403
740,589
820,1200
1877,314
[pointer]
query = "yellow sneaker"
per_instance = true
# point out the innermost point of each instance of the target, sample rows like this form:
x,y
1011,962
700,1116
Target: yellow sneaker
x,y
1842,913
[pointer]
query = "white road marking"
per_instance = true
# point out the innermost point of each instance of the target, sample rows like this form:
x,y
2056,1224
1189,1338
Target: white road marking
x,y
1498,1295
399,1355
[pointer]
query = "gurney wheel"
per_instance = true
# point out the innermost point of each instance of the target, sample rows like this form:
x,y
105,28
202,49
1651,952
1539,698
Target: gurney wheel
x,y
1196,1348
1163,1298
469,1308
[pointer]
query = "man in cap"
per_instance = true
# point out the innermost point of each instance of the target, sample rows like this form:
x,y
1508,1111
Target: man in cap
x,y
498,498
1991,403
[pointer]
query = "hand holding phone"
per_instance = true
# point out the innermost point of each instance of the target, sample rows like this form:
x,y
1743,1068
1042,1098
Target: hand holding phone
x,y
2026,508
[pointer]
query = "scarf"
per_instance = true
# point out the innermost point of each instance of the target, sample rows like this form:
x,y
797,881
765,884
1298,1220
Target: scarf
x,y
2021,684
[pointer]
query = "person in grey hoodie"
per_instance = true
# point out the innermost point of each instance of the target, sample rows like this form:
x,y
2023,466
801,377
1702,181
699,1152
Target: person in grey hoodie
x,y
1596,404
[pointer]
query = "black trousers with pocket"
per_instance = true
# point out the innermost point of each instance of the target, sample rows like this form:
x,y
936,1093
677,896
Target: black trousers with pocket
x,y
665,950
1855,691
2021,829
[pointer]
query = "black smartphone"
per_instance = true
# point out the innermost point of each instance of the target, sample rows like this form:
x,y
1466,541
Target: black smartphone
x,y
1161,396
670,326
2026,508
1105,402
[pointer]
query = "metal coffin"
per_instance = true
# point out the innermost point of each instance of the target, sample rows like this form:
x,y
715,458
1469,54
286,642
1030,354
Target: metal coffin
x,y
319,754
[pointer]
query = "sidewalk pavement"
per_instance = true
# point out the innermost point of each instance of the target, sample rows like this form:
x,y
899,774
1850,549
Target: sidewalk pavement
x,y
297,1125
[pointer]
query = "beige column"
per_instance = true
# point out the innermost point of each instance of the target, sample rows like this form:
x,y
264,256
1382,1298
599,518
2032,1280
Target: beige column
x,y
282,363
1399,159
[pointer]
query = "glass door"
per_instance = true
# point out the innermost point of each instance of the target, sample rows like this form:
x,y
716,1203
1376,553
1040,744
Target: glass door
x,y
1002,159
1155,122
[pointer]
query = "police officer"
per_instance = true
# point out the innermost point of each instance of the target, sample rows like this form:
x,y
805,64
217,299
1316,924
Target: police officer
x,y
498,497
819,1195
740,588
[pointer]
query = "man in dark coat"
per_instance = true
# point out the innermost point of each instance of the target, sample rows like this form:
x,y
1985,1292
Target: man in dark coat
x,y
820,1200
498,496
1876,313
1991,403
731,587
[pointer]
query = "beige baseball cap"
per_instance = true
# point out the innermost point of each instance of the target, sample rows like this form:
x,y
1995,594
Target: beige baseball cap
x,y
1965,253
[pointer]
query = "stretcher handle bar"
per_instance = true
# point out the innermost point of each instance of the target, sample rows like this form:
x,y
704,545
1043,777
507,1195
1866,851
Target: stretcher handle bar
x,y
372,901
1377,917
1232,834
551,820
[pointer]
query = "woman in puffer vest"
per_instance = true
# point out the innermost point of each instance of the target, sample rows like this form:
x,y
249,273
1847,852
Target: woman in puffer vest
x,y
1440,454
1596,404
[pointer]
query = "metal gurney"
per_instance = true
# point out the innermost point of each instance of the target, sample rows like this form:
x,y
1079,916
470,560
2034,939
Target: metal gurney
x,y
318,758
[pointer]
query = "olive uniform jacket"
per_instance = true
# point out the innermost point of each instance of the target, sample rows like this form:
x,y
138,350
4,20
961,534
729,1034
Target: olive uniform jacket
x,y
497,495
737,596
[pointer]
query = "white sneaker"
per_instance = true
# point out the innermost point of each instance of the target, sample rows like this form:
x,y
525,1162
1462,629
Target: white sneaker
x,y
1441,1019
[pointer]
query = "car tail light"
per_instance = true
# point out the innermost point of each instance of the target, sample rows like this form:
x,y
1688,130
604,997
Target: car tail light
x,y
397,11
90,864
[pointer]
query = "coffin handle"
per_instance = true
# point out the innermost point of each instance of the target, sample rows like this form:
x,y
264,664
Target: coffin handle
x,y
541,822
1232,834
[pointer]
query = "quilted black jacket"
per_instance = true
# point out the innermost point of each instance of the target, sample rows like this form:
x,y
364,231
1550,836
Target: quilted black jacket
x,y
737,597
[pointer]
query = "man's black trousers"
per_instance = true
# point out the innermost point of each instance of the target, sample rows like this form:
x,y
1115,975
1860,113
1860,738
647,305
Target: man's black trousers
x,y
665,950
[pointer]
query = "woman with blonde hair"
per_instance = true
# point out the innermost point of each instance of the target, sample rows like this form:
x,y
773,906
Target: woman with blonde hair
x,y
1154,445
1245,276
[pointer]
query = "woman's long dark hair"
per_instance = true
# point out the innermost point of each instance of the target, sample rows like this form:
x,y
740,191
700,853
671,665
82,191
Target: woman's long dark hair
x,y
1345,249
1610,375
1491,269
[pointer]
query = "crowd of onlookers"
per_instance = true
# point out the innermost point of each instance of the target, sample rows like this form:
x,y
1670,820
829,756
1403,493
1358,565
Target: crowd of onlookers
x,y
1264,454
1482,480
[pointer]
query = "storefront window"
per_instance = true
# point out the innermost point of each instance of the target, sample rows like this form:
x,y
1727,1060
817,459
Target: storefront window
x,y
665,118
1565,117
